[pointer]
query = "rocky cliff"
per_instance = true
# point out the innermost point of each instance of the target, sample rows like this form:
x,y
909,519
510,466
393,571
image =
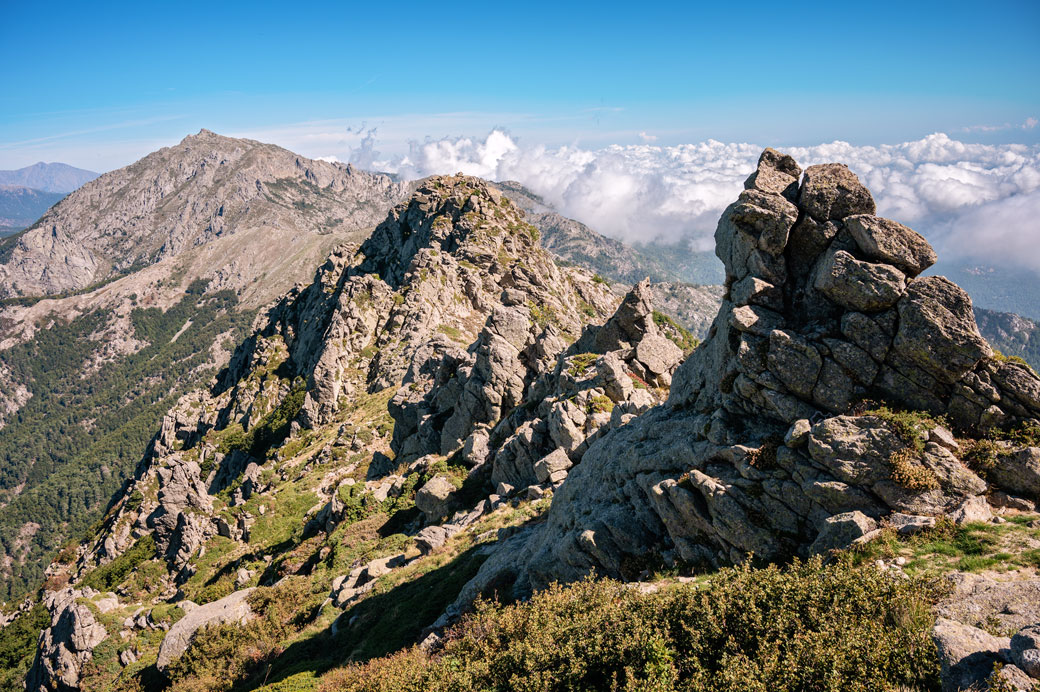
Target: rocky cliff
x,y
775,440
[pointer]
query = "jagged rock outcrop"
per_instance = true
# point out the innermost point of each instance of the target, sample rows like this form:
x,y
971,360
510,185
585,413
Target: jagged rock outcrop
x,y
760,447
455,265
519,414
67,645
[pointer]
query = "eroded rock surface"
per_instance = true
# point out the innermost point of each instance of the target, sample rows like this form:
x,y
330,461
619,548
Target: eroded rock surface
x,y
230,609
67,645
759,447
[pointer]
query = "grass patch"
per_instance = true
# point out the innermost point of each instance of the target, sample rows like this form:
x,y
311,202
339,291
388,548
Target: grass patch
x,y
679,335
971,547
581,363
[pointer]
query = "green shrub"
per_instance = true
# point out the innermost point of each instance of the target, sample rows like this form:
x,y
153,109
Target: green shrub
x,y
581,362
18,645
910,474
359,503
803,627
679,335
110,575
910,426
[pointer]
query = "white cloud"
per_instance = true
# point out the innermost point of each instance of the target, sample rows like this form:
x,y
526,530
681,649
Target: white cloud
x,y
1027,124
973,201
647,138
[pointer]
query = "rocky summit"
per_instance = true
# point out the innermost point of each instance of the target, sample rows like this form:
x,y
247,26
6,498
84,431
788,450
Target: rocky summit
x,y
775,439
183,197
444,414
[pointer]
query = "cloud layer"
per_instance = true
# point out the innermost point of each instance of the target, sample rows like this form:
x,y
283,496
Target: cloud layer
x,y
974,202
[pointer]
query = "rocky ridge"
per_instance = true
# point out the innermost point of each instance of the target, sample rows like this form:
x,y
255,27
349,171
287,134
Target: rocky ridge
x,y
182,197
447,372
762,447
453,280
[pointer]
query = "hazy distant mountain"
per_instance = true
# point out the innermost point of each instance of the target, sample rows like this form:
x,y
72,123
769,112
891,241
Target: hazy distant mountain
x,y
575,242
48,177
21,206
996,288
1011,334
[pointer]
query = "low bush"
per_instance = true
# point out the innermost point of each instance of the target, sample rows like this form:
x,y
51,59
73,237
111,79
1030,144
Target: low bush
x,y
803,627
112,574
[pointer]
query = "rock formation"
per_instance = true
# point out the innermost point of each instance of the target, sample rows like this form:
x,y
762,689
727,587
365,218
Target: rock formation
x,y
761,447
230,609
67,645
455,264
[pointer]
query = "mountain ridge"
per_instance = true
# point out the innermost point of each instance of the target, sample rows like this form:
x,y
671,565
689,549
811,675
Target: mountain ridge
x,y
48,177
181,197
444,413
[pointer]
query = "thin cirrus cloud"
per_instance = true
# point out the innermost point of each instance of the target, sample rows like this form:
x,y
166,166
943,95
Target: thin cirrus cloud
x,y
975,202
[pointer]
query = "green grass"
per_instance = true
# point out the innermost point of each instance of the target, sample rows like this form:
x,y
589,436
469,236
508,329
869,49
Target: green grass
x,y
581,363
678,334
971,547
114,573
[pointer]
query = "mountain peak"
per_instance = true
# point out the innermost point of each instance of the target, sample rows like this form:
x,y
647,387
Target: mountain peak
x,y
447,213
186,196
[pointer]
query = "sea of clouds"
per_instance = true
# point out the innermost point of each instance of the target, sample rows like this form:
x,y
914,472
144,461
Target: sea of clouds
x,y
978,203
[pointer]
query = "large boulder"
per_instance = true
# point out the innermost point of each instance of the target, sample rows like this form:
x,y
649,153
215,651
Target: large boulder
x,y
969,655
230,609
890,242
436,498
937,331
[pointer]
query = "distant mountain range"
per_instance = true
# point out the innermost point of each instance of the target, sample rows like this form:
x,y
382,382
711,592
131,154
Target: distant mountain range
x,y
20,206
48,177
996,288
1011,334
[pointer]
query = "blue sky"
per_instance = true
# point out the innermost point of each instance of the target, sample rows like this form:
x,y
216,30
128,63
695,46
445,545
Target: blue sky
x,y
99,85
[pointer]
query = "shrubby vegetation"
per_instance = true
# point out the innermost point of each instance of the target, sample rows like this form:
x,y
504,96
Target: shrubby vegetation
x,y
114,573
18,645
679,335
77,438
806,626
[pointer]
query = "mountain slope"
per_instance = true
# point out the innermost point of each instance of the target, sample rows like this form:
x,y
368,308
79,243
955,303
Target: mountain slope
x,y
445,414
48,177
183,197
20,206
451,285
85,378
1011,334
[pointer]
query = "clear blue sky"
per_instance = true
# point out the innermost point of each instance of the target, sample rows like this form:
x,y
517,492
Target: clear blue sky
x,y
100,84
